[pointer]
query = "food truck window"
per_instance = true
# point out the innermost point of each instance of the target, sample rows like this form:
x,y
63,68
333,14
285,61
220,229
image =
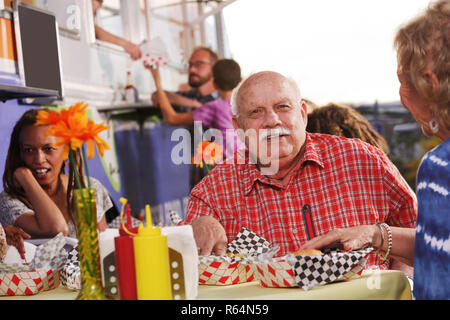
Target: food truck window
x,y
144,21
109,18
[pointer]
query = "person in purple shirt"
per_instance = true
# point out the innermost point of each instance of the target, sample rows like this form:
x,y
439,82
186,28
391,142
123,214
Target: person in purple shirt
x,y
215,114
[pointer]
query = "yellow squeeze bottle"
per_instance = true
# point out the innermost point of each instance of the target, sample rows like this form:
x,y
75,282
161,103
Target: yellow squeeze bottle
x,y
151,256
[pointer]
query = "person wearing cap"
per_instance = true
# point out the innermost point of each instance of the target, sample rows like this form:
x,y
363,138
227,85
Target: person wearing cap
x,y
291,185
101,34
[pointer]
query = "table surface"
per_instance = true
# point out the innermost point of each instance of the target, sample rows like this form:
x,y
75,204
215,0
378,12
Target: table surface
x,y
373,285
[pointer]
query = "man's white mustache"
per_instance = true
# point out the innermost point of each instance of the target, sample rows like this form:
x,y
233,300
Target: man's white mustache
x,y
273,133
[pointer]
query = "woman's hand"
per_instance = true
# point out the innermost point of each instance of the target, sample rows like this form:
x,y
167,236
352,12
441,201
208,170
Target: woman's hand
x,y
21,175
14,237
350,238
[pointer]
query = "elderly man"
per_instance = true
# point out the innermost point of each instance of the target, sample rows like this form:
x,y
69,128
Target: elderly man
x,y
322,182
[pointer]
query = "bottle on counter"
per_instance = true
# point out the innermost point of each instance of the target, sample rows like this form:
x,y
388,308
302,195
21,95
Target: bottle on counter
x,y
151,254
131,94
124,250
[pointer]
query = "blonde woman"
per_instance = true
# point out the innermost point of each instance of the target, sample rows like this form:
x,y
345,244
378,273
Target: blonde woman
x,y
423,53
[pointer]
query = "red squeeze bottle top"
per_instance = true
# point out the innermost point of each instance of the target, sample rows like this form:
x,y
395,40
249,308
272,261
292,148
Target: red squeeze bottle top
x,y
128,224
126,272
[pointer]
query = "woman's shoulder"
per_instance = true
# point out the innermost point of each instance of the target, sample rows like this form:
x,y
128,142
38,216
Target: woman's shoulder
x,y
6,197
11,208
8,201
442,150
439,156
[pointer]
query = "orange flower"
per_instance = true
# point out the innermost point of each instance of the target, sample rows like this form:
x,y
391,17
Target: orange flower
x,y
67,137
73,128
77,112
209,152
197,160
47,118
91,136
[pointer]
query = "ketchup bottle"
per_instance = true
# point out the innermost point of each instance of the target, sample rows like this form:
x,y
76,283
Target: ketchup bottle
x,y
131,94
126,272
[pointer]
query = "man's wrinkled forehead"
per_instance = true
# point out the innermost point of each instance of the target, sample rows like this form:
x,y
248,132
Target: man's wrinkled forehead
x,y
278,85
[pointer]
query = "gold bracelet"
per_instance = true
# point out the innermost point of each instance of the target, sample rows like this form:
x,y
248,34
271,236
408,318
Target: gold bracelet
x,y
388,229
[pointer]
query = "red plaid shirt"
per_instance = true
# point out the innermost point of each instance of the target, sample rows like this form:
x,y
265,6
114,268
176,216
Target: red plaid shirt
x,y
346,182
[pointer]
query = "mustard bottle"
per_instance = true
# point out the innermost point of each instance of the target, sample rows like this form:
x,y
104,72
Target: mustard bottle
x,y
151,256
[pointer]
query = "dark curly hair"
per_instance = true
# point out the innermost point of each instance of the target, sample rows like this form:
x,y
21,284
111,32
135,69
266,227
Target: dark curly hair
x,y
344,121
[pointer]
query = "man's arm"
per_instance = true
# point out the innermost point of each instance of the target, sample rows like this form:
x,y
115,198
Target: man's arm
x,y
170,115
209,234
178,100
132,49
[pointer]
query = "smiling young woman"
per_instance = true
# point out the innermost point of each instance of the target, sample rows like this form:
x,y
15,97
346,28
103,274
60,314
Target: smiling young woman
x,y
37,193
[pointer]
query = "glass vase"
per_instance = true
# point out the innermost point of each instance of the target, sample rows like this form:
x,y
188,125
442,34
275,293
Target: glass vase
x,y
88,249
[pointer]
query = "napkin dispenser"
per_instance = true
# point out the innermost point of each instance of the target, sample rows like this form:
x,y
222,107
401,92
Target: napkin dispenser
x,y
183,258
108,261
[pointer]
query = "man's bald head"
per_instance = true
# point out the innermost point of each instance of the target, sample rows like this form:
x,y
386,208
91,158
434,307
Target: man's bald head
x,y
258,79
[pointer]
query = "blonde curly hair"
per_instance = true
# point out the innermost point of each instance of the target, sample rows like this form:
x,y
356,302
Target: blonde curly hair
x,y
424,44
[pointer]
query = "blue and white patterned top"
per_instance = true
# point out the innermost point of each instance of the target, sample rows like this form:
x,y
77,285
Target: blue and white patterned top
x,y
432,250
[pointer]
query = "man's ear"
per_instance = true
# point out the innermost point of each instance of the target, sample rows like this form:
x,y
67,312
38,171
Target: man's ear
x,y
235,122
239,131
304,112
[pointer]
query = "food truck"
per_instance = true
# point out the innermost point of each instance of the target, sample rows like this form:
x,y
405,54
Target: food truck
x,y
50,57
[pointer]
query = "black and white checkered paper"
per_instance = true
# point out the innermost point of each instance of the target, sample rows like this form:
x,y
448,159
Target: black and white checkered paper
x,y
309,271
70,274
312,271
247,244
175,218
116,223
49,255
